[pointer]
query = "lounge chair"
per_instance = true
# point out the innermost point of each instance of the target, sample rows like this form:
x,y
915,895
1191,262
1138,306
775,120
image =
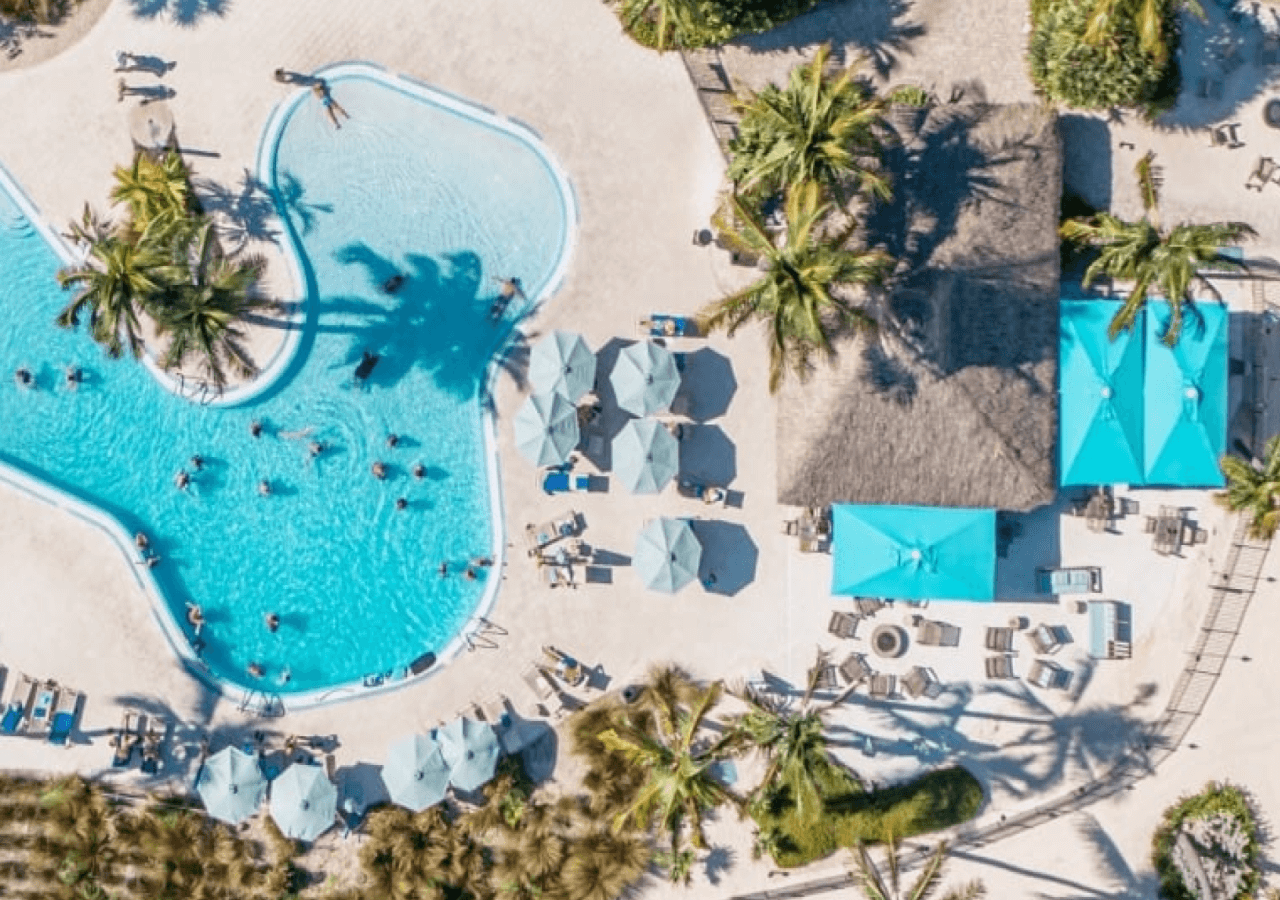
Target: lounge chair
x,y
882,685
1127,506
867,606
1046,674
542,688
555,481
660,325
712,496
1000,639
42,704
790,527
1077,580
64,716
920,680
1000,667
1044,639
937,634
1262,173
825,678
855,669
843,624
126,739
555,575
539,536
151,742
19,704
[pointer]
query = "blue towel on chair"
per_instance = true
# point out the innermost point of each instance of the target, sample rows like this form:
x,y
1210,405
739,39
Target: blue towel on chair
x,y
12,716
61,728
556,482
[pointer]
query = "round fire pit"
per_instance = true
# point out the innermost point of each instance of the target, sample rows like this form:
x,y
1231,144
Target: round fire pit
x,y
889,641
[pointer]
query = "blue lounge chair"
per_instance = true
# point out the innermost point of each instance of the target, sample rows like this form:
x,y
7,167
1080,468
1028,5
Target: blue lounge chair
x,y
12,716
19,703
559,482
660,325
64,716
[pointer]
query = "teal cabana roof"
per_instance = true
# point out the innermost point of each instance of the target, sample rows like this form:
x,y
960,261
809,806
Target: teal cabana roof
x,y
1134,411
914,552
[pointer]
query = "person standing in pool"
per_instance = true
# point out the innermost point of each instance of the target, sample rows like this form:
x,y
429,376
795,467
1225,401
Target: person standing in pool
x,y
273,622
24,378
255,428
182,480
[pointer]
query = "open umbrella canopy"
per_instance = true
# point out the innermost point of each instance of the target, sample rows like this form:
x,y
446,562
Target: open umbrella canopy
x,y
913,552
416,774
304,802
546,429
645,378
667,555
1100,405
471,750
231,785
562,363
645,456
1185,428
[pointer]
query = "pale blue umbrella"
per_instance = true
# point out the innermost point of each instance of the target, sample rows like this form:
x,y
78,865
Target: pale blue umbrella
x,y
645,456
416,774
304,802
546,429
471,749
645,378
667,555
562,363
231,785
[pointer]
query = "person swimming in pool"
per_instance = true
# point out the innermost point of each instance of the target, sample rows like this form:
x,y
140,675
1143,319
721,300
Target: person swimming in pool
x,y
331,106
392,284
74,376
24,378
511,288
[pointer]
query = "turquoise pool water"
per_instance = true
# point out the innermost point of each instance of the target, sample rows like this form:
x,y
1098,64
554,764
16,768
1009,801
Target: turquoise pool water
x,y
409,186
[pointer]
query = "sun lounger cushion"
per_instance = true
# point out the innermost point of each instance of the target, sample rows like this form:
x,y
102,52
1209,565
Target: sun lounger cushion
x,y
12,716
555,482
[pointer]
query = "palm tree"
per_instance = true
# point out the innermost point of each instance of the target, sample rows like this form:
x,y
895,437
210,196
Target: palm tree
x,y
1149,256
678,19
1146,18
795,295
1254,490
76,851
677,785
208,295
875,886
818,128
601,865
156,191
795,743
116,281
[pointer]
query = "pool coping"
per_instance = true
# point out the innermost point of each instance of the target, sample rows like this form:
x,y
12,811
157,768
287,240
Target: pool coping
x,y
267,702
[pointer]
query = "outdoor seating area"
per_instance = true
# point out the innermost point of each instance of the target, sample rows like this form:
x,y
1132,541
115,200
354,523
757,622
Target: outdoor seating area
x,y
41,709
813,529
1171,531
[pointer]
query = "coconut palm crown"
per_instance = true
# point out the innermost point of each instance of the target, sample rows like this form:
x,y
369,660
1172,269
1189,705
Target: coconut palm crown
x,y
1168,261
818,128
678,19
797,295
115,282
1254,490
1148,18
878,885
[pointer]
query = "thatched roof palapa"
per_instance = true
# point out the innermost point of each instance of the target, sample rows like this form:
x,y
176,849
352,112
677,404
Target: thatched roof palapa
x,y
956,405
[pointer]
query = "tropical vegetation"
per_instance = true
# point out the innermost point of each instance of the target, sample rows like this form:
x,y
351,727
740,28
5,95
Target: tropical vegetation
x,y
1219,827
1096,54
887,884
1150,257
1254,489
162,261
668,24
801,295
42,11
820,127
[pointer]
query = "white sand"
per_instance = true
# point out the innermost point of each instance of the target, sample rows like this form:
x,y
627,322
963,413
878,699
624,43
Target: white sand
x,y
627,128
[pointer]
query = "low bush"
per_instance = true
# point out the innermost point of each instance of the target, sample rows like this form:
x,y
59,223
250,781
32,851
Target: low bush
x,y
1216,803
721,20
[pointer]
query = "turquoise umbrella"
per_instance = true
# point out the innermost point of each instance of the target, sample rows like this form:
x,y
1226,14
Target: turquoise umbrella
x,y
546,429
667,555
416,774
471,750
304,802
562,363
645,378
231,785
645,456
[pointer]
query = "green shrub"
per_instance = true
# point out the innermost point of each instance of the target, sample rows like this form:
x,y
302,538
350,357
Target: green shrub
x,y
1088,76
909,95
1214,798
935,801
722,20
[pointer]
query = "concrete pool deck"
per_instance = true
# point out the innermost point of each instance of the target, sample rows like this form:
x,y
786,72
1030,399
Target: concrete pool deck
x,y
626,126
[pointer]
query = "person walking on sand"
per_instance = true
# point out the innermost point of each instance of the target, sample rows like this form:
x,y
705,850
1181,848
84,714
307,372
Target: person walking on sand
x,y
331,106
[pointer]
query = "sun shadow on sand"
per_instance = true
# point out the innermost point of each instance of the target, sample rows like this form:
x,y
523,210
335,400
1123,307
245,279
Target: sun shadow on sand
x,y
185,13
728,553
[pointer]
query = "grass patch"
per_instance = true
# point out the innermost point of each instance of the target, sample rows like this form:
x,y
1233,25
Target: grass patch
x,y
848,813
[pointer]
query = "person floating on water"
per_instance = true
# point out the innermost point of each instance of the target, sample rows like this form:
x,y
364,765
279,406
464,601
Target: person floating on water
x,y
197,462
264,488
182,480
393,440
331,106
24,378
315,448
402,503
273,622
511,288
195,617
379,471
419,471
74,376
255,428
393,284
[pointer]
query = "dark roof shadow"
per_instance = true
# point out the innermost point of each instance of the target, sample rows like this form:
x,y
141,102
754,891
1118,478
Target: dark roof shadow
x,y
728,554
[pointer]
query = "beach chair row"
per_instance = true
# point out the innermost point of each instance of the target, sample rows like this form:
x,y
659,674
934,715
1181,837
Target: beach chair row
x,y
41,709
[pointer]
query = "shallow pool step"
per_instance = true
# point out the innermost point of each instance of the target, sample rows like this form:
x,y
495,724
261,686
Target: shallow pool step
x,y
16,223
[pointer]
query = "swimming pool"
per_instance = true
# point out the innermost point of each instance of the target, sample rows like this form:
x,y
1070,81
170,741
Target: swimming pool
x,y
415,183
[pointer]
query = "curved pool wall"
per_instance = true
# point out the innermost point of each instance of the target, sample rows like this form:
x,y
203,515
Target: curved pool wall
x,y
119,522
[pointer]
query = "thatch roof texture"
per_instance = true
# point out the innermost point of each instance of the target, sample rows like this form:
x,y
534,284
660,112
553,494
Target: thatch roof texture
x,y
955,404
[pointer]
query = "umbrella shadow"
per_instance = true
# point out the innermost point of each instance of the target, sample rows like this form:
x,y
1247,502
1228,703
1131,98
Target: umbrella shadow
x,y
707,384
539,756
361,783
708,456
729,556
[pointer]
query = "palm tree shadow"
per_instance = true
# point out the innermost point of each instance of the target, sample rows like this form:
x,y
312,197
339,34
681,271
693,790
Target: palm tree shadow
x,y
184,13
870,28
289,196
246,211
